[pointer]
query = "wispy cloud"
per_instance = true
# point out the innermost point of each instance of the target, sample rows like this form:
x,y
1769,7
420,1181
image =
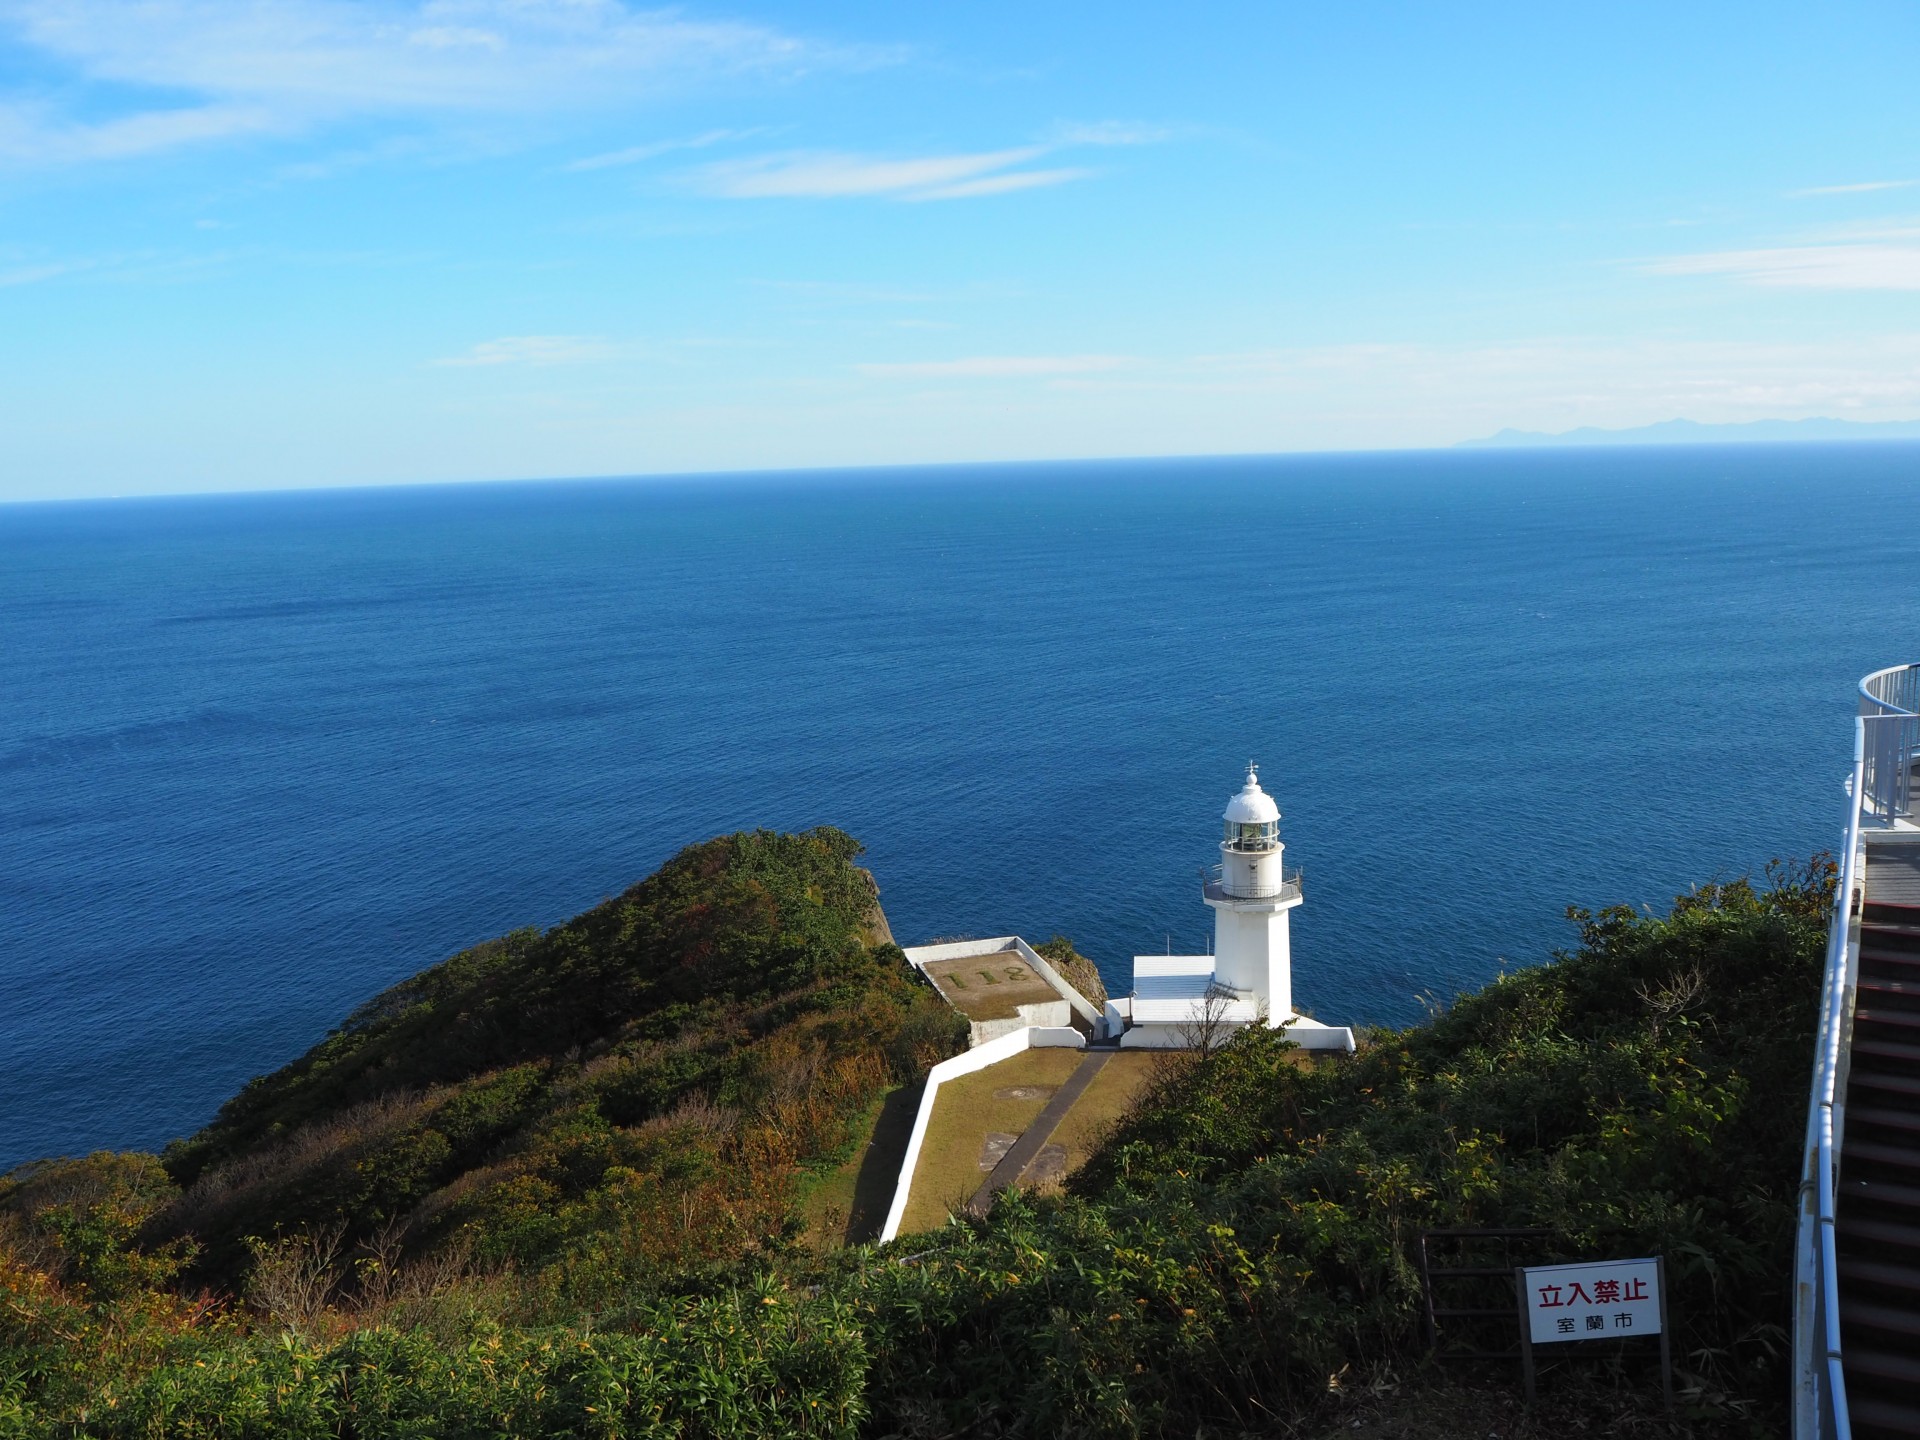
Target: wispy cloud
x,y
34,274
32,133
128,267
249,66
1860,189
1000,367
835,292
639,154
535,350
1568,381
1000,184
830,175
814,175
1866,266
1111,132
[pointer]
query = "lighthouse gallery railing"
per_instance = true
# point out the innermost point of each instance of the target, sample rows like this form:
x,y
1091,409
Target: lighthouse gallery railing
x,y
1213,886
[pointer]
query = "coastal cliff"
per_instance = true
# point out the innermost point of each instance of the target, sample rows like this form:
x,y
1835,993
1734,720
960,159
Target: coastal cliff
x,y
559,1185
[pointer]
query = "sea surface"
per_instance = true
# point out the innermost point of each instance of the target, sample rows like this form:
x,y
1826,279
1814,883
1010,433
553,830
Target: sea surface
x,y
262,756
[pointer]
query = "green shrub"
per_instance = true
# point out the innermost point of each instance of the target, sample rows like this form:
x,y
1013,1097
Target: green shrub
x,y
1242,1242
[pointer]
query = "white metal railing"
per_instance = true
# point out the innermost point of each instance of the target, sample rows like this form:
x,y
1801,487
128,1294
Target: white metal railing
x,y
1897,688
1890,742
1820,1386
1213,886
1886,742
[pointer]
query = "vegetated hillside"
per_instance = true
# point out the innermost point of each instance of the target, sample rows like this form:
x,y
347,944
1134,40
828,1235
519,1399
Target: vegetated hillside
x,y
1076,969
637,1086
1238,1260
1245,1239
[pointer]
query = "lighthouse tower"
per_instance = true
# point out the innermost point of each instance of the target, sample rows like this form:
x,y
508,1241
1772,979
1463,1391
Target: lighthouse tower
x,y
1252,897
1185,1001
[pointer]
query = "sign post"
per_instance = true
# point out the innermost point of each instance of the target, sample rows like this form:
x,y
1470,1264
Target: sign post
x,y
1593,1300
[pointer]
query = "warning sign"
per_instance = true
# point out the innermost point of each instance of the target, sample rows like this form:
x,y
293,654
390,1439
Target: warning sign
x,y
1598,1300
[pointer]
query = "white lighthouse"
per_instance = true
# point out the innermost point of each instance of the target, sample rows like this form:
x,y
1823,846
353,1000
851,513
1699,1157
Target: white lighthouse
x,y
1252,896
1183,1001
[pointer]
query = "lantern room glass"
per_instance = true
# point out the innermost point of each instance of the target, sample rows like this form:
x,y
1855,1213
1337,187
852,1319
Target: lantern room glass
x,y
1261,836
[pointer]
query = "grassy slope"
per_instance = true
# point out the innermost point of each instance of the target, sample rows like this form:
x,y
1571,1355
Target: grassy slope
x,y
965,1111
641,1082
845,1201
1107,1101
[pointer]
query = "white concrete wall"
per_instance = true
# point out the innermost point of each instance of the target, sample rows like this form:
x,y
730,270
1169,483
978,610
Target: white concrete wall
x,y
1278,981
1046,1012
1030,1037
1071,1002
1154,1037
1253,954
1082,1006
1312,1035
1307,1034
922,956
1055,1037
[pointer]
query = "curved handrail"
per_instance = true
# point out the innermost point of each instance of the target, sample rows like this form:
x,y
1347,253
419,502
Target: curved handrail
x,y
1816,1258
1890,718
1892,691
1889,702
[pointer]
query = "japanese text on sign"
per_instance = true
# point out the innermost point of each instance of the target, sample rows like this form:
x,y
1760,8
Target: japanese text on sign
x,y
1592,1301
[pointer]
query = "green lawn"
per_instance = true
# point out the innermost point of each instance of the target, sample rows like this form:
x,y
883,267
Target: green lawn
x,y
1110,1096
964,1112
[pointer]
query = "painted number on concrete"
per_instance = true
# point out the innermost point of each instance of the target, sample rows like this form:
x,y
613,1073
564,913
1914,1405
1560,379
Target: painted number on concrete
x,y
1592,1301
1015,973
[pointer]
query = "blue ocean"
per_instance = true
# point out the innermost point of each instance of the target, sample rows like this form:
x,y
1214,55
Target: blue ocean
x,y
261,756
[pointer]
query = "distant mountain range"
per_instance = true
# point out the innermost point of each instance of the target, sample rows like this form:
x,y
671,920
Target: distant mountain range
x,y
1692,432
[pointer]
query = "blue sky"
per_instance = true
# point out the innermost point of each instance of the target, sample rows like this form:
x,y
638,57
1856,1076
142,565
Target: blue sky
x,y
315,242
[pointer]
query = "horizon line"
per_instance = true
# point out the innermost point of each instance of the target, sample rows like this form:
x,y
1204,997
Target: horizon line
x,y
1476,448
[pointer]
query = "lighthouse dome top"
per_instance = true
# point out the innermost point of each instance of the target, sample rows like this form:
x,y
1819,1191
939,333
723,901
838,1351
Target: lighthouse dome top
x,y
1252,806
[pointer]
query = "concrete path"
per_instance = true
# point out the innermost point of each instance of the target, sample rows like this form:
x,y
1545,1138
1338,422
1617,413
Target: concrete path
x,y
1014,1163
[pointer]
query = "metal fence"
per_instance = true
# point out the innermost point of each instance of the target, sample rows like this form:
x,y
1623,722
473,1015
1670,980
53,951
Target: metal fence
x,y
1820,1386
1890,742
1886,747
1896,689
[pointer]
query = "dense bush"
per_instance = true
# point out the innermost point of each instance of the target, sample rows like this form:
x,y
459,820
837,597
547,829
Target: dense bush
x,y
1247,1233
639,1087
1242,1244
740,1364
1076,969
